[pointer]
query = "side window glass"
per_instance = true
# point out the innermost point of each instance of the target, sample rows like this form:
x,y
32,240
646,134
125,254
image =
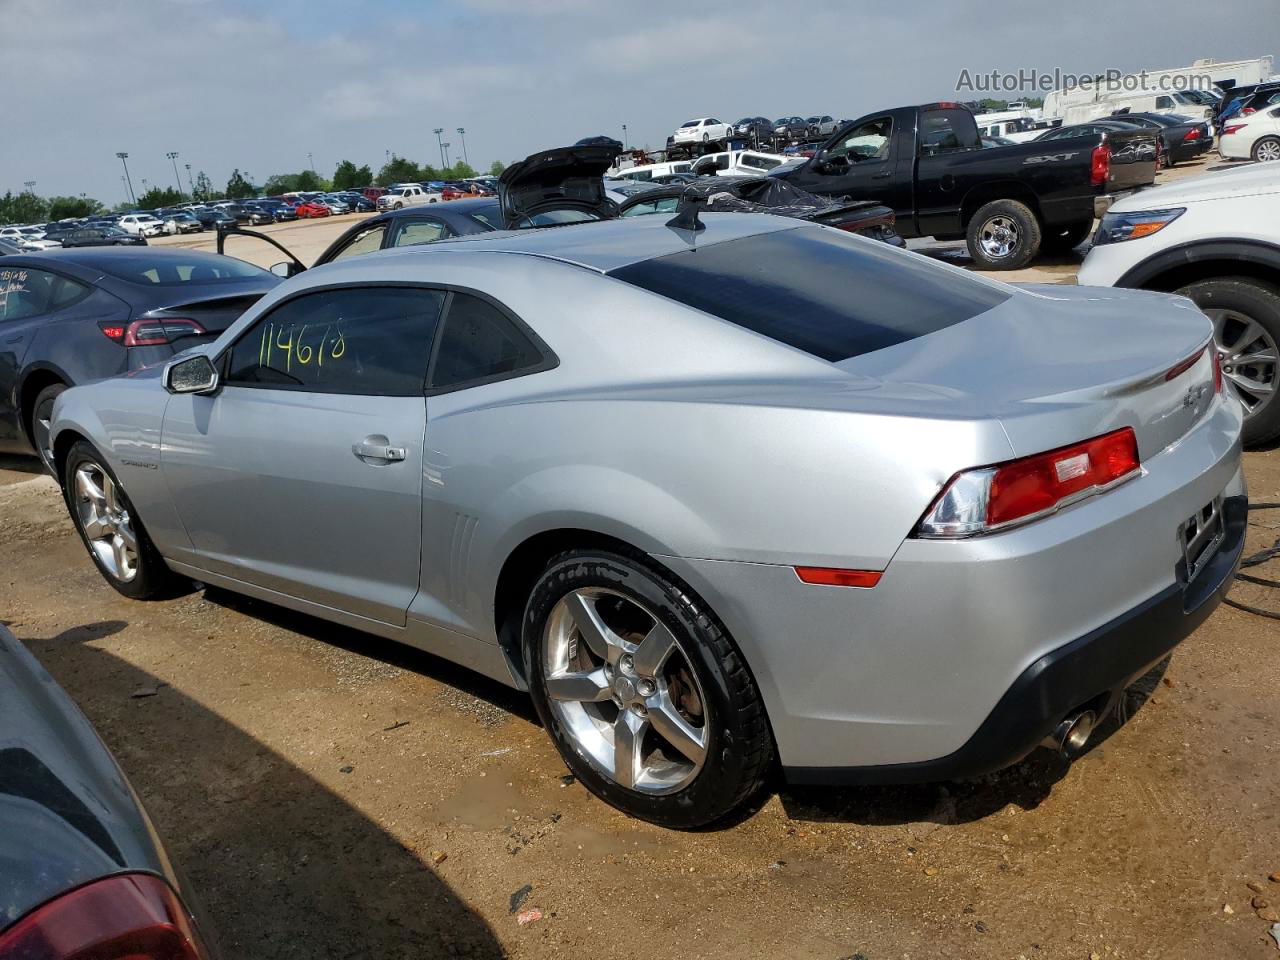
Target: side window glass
x,y
867,142
370,341
665,205
938,133
419,231
25,293
365,242
66,292
480,343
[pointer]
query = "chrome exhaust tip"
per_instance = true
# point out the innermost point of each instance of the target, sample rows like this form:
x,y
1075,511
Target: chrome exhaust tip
x,y
1072,735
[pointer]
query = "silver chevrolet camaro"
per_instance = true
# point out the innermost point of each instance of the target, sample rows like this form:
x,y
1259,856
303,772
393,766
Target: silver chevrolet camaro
x,y
756,497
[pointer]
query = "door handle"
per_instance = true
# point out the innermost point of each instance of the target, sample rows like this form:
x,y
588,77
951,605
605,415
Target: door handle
x,y
377,448
881,176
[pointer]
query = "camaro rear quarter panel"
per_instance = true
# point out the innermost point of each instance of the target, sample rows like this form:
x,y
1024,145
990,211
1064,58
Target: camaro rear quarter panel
x,y
907,671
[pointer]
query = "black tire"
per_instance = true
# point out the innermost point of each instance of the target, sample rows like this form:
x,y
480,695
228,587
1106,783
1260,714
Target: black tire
x,y
1026,242
1259,302
1065,239
1272,143
740,748
152,580
41,412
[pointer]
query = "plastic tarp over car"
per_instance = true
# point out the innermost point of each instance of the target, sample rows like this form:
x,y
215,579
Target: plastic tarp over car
x,y
768,195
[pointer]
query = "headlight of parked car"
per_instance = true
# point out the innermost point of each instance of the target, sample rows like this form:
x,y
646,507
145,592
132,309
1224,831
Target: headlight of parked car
x,y
1116,227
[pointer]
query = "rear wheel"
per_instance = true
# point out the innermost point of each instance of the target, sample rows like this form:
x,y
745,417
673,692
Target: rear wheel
x,y
1003,235
41,416
1267,149
110,528
643,693
1065,239
1246,331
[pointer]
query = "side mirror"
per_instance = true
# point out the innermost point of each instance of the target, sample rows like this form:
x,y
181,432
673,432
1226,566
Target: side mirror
x,y
195,374
283,269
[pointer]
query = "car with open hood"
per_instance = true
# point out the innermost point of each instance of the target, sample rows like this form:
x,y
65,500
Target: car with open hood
x,y
559,186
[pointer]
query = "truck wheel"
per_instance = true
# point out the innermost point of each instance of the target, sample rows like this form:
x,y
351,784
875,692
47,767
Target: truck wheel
x,y
1246,331
1268,148
1065,239
1003,235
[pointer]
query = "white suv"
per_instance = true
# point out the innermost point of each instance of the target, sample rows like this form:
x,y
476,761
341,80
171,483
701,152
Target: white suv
x,y
1215,239
141,224
705,129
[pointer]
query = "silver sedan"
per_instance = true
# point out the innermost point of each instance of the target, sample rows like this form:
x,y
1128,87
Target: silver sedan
x,y
757,496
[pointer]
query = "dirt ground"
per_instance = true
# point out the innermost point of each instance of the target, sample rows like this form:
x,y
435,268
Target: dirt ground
x,y
331,794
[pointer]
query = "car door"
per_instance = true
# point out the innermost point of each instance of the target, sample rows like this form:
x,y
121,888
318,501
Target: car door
x,y
303,473
860,163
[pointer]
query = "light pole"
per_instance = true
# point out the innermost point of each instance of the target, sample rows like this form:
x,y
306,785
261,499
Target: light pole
x,y
311,163
173,157
437,131
144,186
124,157
30,185
445,147
463,134
624,137
191,183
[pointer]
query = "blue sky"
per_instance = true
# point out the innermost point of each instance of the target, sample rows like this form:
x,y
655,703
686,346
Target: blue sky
x,y
259,85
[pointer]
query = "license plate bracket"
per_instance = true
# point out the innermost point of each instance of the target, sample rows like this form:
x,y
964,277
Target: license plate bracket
x,y
1200,536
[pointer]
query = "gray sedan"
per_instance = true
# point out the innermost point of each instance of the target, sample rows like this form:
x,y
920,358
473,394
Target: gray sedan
x,y
725,500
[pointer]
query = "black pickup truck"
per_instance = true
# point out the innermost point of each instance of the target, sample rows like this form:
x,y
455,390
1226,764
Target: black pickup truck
x,y
928,164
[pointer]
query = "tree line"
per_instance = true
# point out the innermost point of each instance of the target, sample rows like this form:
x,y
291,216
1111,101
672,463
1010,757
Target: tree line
x,y
28,207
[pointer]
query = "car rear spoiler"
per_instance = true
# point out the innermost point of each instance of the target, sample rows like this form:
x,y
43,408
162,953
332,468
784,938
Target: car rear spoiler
x,y
290,269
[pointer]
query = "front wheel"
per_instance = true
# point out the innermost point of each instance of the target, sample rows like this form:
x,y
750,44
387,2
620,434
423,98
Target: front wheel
x,y
647,699
1003,235
1246,332
1267,149
109,526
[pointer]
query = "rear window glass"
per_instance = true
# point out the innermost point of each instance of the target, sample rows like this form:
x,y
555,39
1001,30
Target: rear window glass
x,y
821,291
147,268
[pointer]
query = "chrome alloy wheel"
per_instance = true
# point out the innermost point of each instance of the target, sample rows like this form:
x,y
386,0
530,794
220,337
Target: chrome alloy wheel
x,y
1249,357
42,417
105,521
625,691
1268,151
999,237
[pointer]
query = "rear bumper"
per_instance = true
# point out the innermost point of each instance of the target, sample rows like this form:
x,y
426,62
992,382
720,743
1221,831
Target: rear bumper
x,y
1092,672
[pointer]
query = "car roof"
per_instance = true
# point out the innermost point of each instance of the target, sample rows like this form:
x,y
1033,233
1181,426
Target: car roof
x,y
602,246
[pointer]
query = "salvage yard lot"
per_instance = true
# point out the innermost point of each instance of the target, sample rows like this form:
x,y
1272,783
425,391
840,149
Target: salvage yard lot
x,y
333,794
308,778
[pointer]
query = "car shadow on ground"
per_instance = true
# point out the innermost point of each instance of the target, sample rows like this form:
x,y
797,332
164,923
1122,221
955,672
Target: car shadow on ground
x,y
281,865
390,652
21,464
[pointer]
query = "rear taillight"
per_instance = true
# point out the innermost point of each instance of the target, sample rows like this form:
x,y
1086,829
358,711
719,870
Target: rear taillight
x,y
992,498
1247,110
1217,371
1233,128
1100,165
1192,134
151,332
125,917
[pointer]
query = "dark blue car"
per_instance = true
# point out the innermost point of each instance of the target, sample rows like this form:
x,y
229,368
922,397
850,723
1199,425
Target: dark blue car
x,y
72,316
